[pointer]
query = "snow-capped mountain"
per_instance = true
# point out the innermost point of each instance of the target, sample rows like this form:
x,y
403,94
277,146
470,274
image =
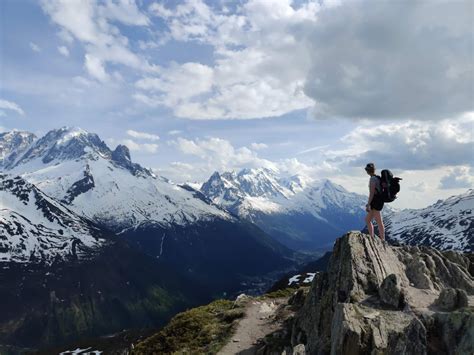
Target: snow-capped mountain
x,y
36,228
446,225
63,277
12,145
173,223
78,168
298,211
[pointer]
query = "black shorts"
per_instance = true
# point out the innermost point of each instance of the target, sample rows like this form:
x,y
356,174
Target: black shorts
x,y
377,202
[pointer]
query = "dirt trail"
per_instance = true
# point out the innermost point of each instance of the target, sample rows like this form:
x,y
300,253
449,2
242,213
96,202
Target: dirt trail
x,y
258,321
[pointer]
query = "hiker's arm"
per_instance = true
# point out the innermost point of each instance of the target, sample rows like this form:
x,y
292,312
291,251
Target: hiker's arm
x,y
372,192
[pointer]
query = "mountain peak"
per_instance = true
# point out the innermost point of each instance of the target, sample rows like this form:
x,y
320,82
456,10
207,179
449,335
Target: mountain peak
x,y
121,156
121,153
13,144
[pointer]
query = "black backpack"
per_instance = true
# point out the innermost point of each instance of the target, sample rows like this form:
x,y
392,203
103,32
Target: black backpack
x,y
390,185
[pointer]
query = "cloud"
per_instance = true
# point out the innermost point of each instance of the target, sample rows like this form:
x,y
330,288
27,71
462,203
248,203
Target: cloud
x,y
34,47
259,69
9,105
142,135
177,86
90,22
148,148
313,149
420,187
458,178
63,50
411,145
219,154
95,67
258,146
393,59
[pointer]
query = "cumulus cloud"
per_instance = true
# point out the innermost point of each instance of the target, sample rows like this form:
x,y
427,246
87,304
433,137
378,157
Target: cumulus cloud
x,y
259,68
393,59
142,135
458,178
258,146
410,60
220,154
90,22
411,145
63,50
134,146
12,106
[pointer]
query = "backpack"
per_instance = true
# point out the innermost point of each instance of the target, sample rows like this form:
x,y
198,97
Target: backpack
x,y
390,185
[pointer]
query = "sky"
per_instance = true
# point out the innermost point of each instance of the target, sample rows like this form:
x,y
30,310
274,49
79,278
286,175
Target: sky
x,y
312,87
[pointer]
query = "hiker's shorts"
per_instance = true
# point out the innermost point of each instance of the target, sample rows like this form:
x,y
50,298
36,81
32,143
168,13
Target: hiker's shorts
x,y
377,202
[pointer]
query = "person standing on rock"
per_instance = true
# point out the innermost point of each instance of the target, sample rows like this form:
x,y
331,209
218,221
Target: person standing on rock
x,y
375,205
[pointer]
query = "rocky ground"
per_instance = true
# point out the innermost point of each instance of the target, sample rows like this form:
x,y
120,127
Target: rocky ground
x,y
262,318
376,298
373,299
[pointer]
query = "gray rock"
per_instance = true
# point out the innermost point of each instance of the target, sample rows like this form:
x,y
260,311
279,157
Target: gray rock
x,y
299,350
451,299
391,292
297,299
342,315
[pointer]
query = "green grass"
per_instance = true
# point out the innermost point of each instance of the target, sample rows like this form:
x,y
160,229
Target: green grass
x,y
201,330
286,292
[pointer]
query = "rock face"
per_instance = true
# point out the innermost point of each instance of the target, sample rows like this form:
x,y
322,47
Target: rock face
x,y
380,299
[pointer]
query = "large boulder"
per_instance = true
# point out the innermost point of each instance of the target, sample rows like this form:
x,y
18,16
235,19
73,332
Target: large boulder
x,y
377,298
451,299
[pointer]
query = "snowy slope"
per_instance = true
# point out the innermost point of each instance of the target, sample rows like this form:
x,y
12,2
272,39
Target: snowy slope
x,y
446,225
35,227
295,209
263,190
12,145
76,167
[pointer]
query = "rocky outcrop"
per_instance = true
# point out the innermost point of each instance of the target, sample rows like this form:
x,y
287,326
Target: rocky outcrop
x,y
381,299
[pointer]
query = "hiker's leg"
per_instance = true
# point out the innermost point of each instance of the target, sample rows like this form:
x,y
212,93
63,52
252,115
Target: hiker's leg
x,y
379,220
368,220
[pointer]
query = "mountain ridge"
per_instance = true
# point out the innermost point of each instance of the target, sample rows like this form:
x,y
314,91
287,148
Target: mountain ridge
x,y
299,211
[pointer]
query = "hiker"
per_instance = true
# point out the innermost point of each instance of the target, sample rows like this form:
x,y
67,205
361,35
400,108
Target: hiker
x,y
376,202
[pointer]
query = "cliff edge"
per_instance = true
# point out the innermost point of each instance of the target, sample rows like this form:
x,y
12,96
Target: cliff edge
x,y
381,299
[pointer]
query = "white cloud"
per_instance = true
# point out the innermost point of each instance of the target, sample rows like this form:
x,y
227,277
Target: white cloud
x,y
34,47
411,145
124,11
219,154
276,56
142,135
95,67
258,146
178,85
174,132
313,149
458,178
148,148
12,106
63,50
259,69
393,59
90,23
